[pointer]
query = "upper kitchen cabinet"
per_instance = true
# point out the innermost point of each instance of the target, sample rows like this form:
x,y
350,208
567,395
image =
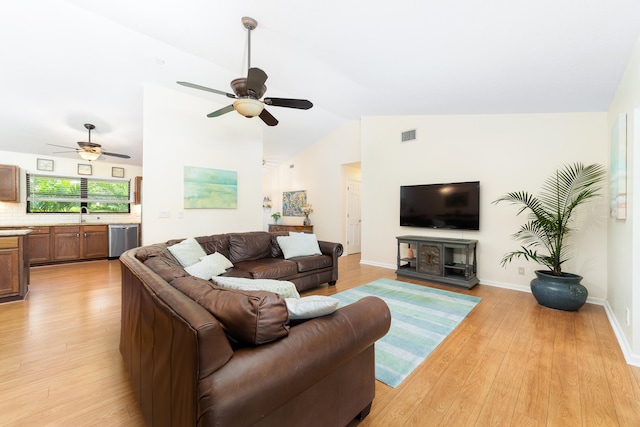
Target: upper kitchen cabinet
x,y
9,183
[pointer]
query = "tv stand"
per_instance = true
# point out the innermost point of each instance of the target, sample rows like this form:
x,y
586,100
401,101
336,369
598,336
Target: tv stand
x,y
441,260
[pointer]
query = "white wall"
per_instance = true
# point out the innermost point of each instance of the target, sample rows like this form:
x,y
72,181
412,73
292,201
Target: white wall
x,y
505,153
318,169
177,133
624,235
12,214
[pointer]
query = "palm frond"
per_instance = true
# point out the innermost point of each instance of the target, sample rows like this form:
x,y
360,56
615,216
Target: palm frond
x,y
551,212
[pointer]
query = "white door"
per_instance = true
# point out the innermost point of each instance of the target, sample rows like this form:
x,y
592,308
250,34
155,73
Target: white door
x,y
353,217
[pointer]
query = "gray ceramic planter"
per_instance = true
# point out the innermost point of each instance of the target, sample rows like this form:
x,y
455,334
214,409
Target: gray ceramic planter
x,y
560,292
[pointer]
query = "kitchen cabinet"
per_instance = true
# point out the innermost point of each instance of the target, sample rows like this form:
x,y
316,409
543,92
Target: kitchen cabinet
x,y
71,243
9,183
14,268
39,245
65,243
95,241
137,192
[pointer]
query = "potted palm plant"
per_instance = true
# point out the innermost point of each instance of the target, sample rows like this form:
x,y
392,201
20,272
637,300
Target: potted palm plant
x,y
549,224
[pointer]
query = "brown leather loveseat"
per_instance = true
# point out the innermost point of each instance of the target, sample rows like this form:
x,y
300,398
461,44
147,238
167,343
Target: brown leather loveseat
x,y
201,355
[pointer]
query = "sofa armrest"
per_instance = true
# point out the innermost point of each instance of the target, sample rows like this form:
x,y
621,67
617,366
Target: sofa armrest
x,y
332,249
257,380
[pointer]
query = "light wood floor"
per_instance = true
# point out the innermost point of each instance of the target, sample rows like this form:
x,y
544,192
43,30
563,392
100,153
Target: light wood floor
x,y
510,363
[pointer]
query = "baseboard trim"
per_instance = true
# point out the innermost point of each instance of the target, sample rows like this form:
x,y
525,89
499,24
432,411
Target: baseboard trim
x,y
630,357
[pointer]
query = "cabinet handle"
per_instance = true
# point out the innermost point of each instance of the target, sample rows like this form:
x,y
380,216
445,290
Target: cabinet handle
x,y
77,235
85,235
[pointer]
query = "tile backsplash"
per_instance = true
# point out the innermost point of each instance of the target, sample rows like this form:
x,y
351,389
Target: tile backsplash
x,y
14,214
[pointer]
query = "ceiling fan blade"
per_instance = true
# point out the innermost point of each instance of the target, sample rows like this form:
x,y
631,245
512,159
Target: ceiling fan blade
x,y
59,152
301,104
63,146
221,111
268,118
122,156
255,80
208,89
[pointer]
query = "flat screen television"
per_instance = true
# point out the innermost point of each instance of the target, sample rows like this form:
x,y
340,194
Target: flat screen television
x,y
450,206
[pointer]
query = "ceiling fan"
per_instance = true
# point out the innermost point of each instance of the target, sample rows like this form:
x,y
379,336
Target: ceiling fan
x,y
90,150
247,91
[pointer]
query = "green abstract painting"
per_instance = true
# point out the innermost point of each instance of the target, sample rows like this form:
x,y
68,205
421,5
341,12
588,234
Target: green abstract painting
x,y
210,188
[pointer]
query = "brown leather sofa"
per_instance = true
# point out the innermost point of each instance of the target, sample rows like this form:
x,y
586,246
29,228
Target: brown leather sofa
x,y
187,370
257,255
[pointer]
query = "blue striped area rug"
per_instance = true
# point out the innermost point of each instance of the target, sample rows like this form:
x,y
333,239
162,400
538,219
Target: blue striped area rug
x,y
421,318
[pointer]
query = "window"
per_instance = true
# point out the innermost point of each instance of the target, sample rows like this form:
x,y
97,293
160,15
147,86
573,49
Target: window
x,y
62,194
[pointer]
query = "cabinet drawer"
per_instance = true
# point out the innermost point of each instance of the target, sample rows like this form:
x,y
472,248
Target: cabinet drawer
x,y
39,230
93,228
8,242
66,229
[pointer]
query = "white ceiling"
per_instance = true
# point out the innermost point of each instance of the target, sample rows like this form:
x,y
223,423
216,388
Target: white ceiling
x,y
64,63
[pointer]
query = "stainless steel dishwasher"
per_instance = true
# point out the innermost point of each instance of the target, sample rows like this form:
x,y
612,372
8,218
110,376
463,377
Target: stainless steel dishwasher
x,y
122,237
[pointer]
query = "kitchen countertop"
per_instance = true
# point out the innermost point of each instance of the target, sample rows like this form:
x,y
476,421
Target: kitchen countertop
x,y
66,224
19,232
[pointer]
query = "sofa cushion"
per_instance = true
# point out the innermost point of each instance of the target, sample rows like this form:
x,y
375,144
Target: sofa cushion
x,y
215,243
209,266
281,287
314,262
249,246
165,267
187,252
248,317
311,306
299,245
268,268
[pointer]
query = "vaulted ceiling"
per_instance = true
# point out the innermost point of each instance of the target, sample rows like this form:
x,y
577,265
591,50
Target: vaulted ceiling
x,y
68,62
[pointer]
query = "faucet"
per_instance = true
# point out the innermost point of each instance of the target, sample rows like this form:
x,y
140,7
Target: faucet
x,y
86,210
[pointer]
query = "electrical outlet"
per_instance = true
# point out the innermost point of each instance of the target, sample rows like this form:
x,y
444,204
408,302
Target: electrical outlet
x,y
521,271
163,214
628,317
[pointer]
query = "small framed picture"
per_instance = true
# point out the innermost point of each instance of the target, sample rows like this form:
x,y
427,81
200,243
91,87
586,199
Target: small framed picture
x,y
117,172
84,169
45,165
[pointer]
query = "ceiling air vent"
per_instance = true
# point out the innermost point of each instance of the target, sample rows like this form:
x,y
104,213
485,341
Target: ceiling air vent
x,y
409,135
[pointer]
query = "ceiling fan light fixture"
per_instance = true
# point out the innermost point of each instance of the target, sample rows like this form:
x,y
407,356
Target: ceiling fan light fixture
x,y
248,107
89,155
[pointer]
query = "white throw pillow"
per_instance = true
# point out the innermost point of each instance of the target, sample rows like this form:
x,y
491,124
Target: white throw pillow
x,y
221,259
299,244
282,287
187,252
311,306
209,266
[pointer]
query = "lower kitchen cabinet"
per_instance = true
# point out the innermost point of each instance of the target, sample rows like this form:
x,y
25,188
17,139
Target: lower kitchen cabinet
x,y
13,268
39,245
79,242
95,241
66,243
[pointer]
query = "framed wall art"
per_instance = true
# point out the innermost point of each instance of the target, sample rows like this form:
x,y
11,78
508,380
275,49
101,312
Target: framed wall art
x,y
210,188
45,165
293,201
84,169
117,172
618,169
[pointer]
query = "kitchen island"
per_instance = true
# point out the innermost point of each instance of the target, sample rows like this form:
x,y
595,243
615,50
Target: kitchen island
x,y
14,264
